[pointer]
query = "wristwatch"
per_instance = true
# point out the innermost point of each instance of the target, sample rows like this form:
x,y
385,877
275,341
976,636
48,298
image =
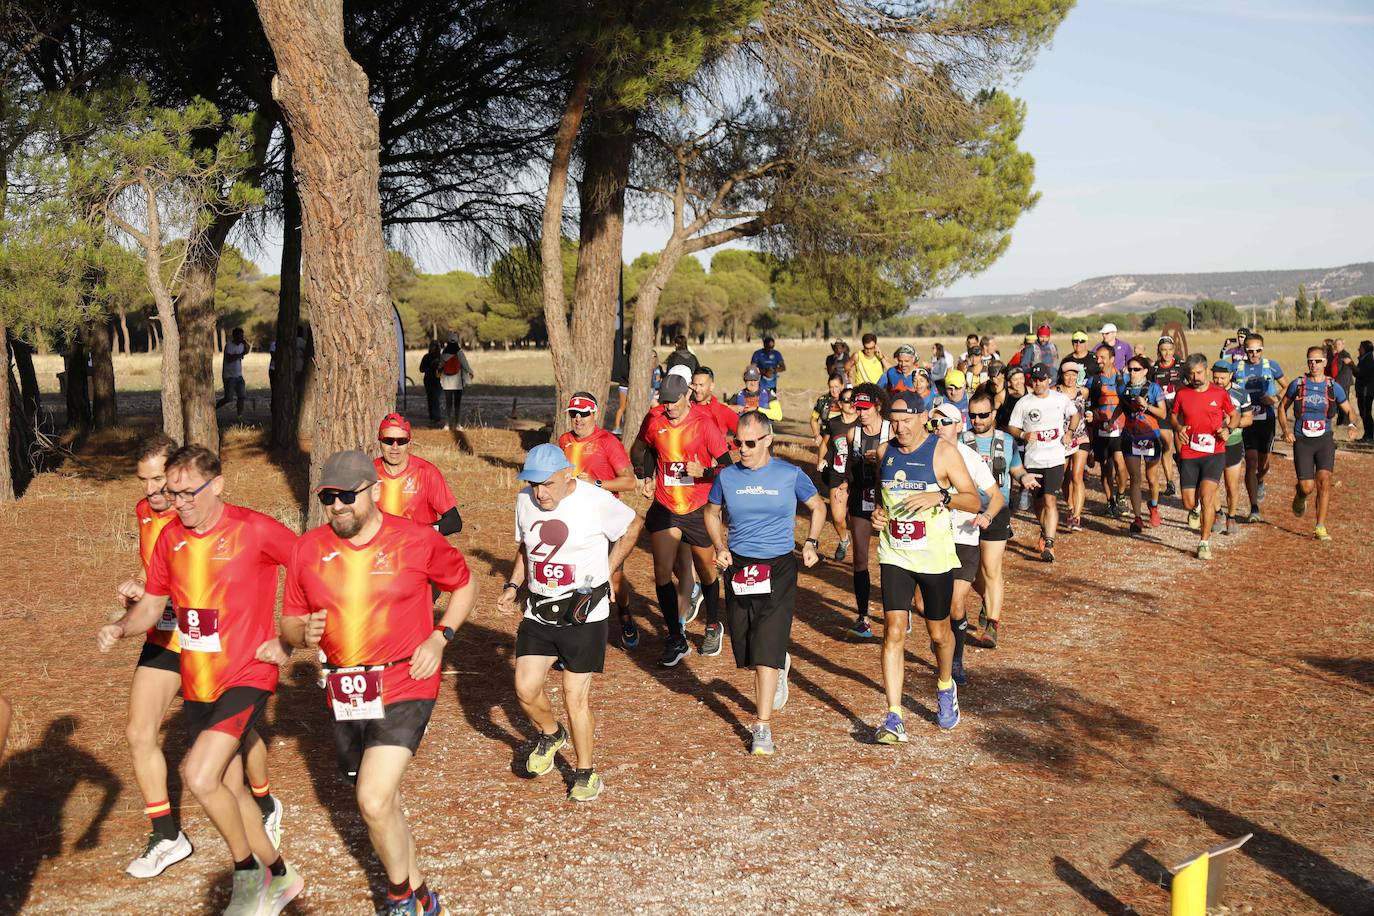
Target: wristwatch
x,y
944,496
514,585
597,482
448,632
813,542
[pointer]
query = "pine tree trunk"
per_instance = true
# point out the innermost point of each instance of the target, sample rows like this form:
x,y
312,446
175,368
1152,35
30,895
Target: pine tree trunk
x,y
195,310
323,94
126,346
95,337
6,428
285,382
645,328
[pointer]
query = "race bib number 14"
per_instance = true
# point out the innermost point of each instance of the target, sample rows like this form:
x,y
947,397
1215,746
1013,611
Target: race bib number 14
x,y
754,579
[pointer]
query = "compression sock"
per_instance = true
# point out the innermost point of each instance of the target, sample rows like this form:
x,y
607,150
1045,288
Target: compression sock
x,y
423,895
263,796
278,868
667,603
863,586
960,628
398,891
164,823
712,595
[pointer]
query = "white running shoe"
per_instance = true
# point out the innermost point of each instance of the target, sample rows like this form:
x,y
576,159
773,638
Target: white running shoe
x,y
780,694
159,854
250,892
272,822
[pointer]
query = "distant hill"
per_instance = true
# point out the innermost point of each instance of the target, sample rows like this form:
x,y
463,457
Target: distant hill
x,y
1146,292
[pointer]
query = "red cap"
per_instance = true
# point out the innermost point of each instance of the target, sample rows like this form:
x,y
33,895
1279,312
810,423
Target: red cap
x,y
396,420
579,402
862,401
1043,329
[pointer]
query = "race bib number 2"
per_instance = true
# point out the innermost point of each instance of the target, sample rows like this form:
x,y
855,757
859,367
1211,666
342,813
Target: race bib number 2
x,y
198,629
355,693
754,579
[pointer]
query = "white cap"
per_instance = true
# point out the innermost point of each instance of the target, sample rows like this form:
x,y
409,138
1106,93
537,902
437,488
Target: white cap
x,y
1108,328
950,411
682,372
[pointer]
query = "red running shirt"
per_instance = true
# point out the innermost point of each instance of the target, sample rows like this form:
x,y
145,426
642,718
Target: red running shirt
x,y
1203,412
418,493
376,595
224,586
696,438
150,525
600,455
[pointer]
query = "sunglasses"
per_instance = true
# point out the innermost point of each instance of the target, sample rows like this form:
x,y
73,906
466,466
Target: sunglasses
x,y
1312,361
943,421
954,387
347,497
186,496
905,410
579,413
750,443
980,416
1137,368
1255,350
392,440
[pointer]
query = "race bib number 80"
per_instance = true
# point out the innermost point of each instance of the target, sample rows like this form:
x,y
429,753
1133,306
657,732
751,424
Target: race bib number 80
x,y
199,629
355,693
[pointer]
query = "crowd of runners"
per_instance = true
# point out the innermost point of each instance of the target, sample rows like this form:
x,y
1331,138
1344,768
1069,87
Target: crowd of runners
x,y
931,457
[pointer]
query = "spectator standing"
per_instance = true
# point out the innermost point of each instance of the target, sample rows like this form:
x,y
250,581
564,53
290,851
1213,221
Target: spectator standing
x,y
1343,365
838,360
457,375
231,372
431,372
1364,389
939,365
867,366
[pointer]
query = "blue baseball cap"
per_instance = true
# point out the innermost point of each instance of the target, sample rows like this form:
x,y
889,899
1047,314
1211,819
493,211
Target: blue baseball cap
x,y
542,462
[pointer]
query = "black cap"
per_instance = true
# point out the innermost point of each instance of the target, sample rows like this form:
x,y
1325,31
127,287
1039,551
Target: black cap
x,y
672,389
1038,371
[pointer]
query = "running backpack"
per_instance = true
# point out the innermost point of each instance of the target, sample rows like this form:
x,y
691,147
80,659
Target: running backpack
x,y
998,453
1302,398
453,365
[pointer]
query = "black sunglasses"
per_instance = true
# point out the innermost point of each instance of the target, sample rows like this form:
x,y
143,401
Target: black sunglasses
x,y
392,440
347,497
1137,368
1255,350
980,416
943,421
579,413
749,443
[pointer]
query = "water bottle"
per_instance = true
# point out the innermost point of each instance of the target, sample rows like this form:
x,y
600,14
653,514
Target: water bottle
x,y
582,607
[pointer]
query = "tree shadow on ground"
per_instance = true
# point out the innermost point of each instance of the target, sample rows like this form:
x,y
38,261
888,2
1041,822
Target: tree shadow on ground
x,y
294,465
1103,899
1146,867
1359,670
37,785
529,438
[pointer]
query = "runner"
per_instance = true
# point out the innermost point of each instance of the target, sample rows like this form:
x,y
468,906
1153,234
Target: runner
x,y
1233,474
761,493
923,480
1168,373
358,590
599,459
1040,420
1314,399
1265,383
970,341
1042,351
968,526
1121,351
838,359
412,487
1203,418
687,445
998,451
1083,356
703,395
572,536
957,387
826,406
864,439
975,370
681,356
218,564
753,396
1104,394
770,363
832,462
1077,446
868,365
1142,405
901,377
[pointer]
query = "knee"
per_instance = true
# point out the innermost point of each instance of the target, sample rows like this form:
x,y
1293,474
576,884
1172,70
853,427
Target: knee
x,y
375,805
201,780
528,690
141,735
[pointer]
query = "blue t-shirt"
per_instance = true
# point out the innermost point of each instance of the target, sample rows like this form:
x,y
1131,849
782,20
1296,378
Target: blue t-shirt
x,y
768,362
983,446
962,404
1311,414
762,505
1142,425
894,381
1259,382
762,400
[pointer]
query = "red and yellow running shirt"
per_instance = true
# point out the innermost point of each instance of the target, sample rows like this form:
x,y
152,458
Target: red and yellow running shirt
x,y
1203,413
599,456
150,525
418,493
696,438
224,586
376,596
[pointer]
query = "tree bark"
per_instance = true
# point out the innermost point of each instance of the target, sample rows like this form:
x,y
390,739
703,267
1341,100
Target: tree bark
x,y
285,433
78,402
95,337
126,346
6,424
323,94
195,315
642,346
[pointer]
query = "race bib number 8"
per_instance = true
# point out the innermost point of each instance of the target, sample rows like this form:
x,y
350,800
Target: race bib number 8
x,y
1202,442
1313,428
554,575
199,629
754,579
675,475
907,534
355,693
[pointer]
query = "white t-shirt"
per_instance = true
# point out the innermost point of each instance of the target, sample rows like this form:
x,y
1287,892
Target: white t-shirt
x,y
570,546
233,368
1043,419
965,531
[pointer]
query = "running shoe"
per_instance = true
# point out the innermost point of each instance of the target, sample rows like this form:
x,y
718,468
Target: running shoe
x,y
908,622
1078,523
1047,549
629,633
674,651
892,731
947,707
1137,525
1169,489
761,744
1204,551
1254,518
282,889
957,672
782,691
1259,492
616,431
1023,502
406,906
1299,503
842,550
985,638
586,787
715,635
436,906
540,760
1321,533
1195,519
250,891
272,822
1112,510
1230,527
860,629
159,854
695,603
983,618
1155,520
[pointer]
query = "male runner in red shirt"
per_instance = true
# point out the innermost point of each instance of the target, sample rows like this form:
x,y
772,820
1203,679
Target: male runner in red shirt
x,y
1203,417
218,563
412,487
358,588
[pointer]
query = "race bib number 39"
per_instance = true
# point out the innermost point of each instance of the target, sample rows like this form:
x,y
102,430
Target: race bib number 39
x,y
554,575
198,628
1202,442
754,579
675,475
907,534
355,693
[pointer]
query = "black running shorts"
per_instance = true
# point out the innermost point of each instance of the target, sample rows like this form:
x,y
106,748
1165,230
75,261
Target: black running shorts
x,y
1106,445
761,625
969,555
1192,471
1259,436
234,713
1235,453
1000,529
1051,480
1314,454
692,525
899,587
402,724
159,657
581,648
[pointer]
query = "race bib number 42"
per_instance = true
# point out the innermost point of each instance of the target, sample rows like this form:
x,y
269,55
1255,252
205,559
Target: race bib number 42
x,y
675,475
1202,442
554,575
754,579
355,693
907,534
198,628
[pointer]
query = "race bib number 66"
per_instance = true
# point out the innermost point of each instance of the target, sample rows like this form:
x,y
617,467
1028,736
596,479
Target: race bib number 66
x,y
554,575
198,628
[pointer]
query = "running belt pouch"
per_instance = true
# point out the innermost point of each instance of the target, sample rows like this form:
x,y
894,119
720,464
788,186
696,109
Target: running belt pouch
x,y
569,609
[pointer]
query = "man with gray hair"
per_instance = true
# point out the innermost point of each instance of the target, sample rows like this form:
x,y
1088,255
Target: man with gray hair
x,y
1203,417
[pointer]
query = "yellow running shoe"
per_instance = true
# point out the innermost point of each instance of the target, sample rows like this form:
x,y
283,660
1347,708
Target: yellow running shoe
x,y
586,786
1321,533
540,760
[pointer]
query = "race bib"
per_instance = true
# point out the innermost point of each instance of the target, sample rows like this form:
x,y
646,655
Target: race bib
x,y
754,579
1313,428
1260,411
1202,442
198,628
1046,435
868,500
355,693
675,475
1143,448
908,534
841,458
168,621
555,575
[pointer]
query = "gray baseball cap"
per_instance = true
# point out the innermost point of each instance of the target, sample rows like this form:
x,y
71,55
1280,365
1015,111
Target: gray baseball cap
x,y
672,389
350,470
